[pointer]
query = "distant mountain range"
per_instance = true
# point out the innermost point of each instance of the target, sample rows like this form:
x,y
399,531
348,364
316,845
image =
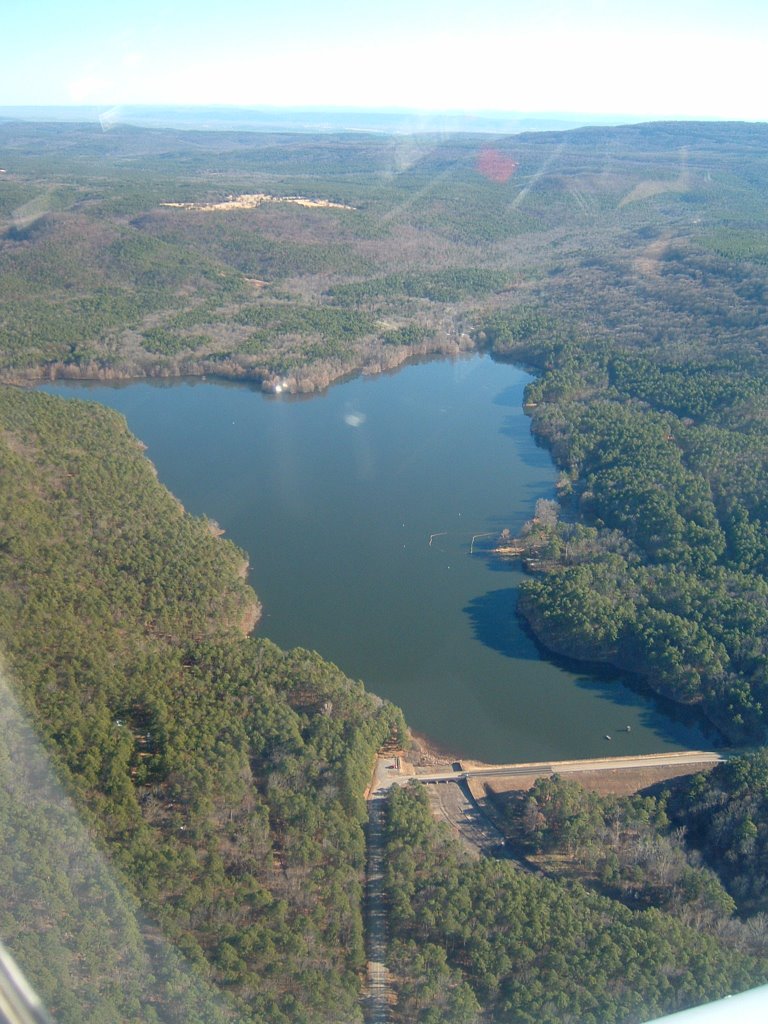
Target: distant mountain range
x,y
391,121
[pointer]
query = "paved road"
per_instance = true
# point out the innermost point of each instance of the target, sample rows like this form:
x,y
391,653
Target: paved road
x,y
542,768
456,806
379,989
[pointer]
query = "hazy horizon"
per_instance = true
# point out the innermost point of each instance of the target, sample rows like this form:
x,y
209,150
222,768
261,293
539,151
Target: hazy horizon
x,y
320,118
694,59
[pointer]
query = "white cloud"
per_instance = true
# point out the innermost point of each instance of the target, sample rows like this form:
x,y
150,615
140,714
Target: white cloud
x,y
600,68
90,87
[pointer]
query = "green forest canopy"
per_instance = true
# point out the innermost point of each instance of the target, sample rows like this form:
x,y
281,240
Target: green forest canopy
x,y
223,777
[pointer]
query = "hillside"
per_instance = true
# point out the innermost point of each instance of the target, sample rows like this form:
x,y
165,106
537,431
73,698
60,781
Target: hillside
x,y
121,254
223,778
220,778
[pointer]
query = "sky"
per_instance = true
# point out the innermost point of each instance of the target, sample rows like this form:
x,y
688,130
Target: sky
x,y
645,58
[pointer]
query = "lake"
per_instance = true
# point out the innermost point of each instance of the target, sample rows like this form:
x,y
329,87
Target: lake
x,y
358,507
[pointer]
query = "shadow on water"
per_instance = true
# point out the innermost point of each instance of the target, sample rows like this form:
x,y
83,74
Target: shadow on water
x,y
510,398
497,624
495,562
662,716
537,458
539,455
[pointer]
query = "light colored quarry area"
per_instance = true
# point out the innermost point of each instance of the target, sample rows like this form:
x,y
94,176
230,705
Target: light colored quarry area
x,y
250,200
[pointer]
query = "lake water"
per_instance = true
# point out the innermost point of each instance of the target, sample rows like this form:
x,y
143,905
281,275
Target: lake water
x,y
357,509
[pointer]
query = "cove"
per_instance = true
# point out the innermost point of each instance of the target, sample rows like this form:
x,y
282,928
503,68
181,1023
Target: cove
x,y
357,509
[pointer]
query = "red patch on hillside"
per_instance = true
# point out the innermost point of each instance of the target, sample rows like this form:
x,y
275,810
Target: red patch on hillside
x,y
495,166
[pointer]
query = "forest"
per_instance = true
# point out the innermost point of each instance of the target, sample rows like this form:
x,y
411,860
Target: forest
x,y
658,551
183,835
223,778
472,936
632,234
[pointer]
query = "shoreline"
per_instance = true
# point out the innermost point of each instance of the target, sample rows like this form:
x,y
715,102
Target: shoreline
x,y
387,359
429,751
554,651
425,753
